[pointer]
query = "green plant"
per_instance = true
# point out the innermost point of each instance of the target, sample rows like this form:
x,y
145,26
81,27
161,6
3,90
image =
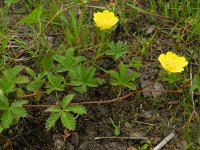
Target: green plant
x,y
136,63
82,78
196,83
76,29
10,112
38,81
171,78
10,78
34,17
67,62
146,146
123,78
117,50
56,83
65,113
116,129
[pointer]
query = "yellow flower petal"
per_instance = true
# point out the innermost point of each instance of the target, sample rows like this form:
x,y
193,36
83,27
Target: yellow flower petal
x,y
105,20
172,63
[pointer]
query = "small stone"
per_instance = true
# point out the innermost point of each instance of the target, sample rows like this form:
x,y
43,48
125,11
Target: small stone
x,y
146,85
50,40
147,114
157,86
149,30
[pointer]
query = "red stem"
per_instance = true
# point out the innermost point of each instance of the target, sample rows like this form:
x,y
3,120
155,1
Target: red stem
x,y
101,101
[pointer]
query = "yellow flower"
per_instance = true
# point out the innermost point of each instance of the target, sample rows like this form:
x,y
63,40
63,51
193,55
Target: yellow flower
x,y
105,20
172,63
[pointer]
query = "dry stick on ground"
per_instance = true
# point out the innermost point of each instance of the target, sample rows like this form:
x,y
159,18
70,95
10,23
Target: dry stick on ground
x,y
122,138
164,141
191,82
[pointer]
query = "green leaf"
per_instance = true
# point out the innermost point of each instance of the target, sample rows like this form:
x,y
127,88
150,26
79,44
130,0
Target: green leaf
x,y
56,82
31,72
9,2
83,78
4,43
18,111
196,83
1,128
50,122
68,61
21,79
123,77
117,50
19,103
4,104
122,71
47,62
53,109
35,85
68,120
12,72
34,16
79,109
67,99
135,63
171,78
6,119
116,127
9,79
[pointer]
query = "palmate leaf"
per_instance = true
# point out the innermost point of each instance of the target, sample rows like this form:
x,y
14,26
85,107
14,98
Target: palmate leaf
x,y
123,78
68,61
79,109
38,81
83,77
11,73
68,120
6,119
7,85
9,79
117,50
56,82
35,85
50,122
